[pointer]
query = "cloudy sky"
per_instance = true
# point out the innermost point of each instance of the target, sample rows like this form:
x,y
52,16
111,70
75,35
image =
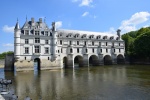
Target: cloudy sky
x,y
89,15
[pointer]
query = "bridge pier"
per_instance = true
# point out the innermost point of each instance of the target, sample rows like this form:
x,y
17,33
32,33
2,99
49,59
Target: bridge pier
x,y
9,62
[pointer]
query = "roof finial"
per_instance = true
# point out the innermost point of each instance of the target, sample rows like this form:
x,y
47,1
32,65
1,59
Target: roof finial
x,y
26,18
17,19
44,19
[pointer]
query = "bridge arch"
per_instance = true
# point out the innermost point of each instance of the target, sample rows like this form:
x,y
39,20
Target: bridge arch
x,y
37,64
107,60
65,60
93,60
78,61
120,59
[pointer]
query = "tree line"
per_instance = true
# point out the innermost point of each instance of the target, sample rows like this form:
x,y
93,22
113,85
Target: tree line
x,y
2,55
137,43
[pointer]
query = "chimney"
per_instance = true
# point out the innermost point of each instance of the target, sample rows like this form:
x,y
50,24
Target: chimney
x,y
40,20
32,20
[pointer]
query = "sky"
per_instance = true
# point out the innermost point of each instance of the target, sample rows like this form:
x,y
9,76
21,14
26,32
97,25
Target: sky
x,y
88,15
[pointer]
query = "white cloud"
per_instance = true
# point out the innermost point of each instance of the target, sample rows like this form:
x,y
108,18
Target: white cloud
x,y
136,19
85,14
8,29
8,45
84,2
58,24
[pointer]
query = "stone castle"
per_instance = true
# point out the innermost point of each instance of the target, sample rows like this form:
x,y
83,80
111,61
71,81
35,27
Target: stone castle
x,y
58,48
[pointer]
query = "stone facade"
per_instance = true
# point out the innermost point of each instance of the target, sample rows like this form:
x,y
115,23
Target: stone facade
x,y
54,48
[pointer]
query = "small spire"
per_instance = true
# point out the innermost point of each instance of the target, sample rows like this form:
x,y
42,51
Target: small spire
x,y
26,18
17,25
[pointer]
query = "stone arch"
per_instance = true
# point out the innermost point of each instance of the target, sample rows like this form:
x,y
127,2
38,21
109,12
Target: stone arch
x,y
78,61
65,60
93,60
120,59
107,60
38,63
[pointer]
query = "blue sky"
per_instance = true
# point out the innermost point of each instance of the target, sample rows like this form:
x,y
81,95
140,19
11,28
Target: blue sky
x,y
89,15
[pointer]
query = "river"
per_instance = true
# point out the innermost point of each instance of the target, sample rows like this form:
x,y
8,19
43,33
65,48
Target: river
x,y
115,82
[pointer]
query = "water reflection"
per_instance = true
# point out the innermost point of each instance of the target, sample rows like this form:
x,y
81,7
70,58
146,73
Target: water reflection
x,y
92,83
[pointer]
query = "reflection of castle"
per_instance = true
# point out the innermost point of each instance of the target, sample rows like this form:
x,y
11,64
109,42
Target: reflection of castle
x,y
56,48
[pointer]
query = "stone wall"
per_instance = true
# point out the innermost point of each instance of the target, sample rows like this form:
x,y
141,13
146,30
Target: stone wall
x,y
2,62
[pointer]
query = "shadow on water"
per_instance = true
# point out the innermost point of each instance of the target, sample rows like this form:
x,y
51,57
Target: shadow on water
x,y
86,83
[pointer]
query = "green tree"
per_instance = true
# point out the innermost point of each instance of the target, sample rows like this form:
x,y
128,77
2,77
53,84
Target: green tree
x,y
142,45
142,31
2,55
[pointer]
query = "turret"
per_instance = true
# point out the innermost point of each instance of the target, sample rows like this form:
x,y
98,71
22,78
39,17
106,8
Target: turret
x,y
17,33
54,41
118,33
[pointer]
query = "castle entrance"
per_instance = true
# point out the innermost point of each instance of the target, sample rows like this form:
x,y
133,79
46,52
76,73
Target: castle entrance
x,y
37,64
65,62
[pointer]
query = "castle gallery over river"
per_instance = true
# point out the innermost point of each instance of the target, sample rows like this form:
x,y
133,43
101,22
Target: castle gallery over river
x,y
54,48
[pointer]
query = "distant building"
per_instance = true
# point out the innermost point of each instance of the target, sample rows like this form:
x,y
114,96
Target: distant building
x,y
53,48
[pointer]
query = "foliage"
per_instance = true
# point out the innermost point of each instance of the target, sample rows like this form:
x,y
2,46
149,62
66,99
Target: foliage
x,y
142,45
2,55
137,43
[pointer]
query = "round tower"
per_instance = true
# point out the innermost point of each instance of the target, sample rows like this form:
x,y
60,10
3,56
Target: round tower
x,y
54,41
17,33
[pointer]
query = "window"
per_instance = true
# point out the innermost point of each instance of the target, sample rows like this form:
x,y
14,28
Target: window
x,y
106,43
37,49
70,43
84,42
92,43
106,50
46,42
60,42
119,44
26,32
46,33
50,34
86,50
37,33
24,58
26,50
99,43
77,42
48,58
101,50
58,51
61,50
37,40
119,50
93,50
77,50
26,41
46,50
71,50
114,50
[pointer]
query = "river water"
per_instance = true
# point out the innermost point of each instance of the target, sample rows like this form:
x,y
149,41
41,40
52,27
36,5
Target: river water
x,y
116,82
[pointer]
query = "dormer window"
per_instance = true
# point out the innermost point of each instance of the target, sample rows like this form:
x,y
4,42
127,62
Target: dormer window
x,y
105,37
46,33
26,32
76,36
98,37
112,37
91,36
